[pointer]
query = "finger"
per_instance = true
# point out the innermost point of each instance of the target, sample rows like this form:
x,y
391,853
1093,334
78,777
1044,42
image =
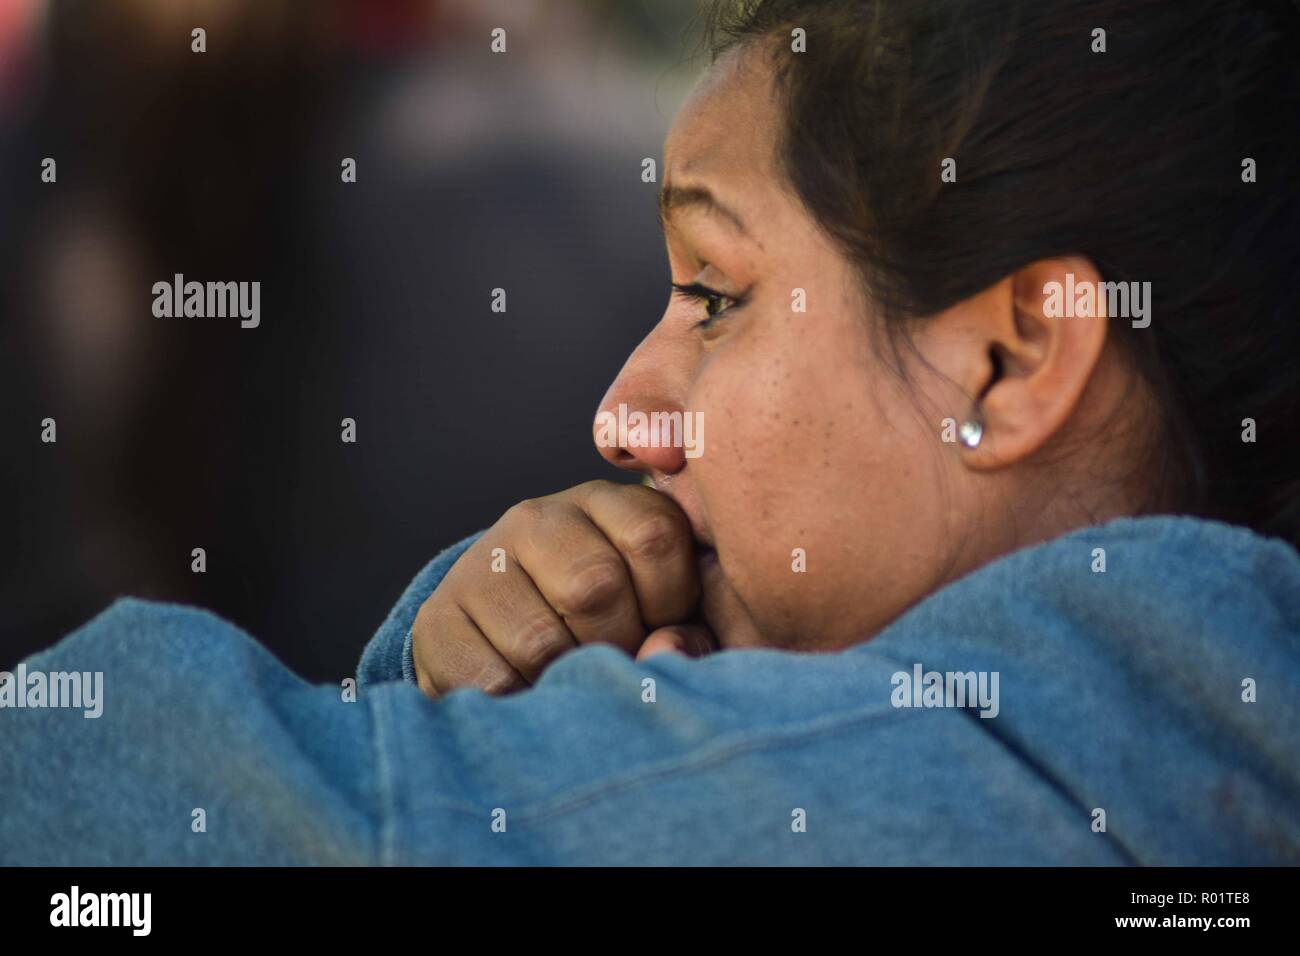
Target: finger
x,y
465,657
654,538
689,640
582,577
517,621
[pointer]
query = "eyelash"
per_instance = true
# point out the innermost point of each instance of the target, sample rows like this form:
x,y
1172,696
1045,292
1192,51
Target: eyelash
x,y
702,293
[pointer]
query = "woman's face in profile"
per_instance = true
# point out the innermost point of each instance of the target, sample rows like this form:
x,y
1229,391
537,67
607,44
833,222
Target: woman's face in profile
x,y
816,454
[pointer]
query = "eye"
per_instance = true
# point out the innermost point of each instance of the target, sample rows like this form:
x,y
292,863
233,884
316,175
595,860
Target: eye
x,y
716,305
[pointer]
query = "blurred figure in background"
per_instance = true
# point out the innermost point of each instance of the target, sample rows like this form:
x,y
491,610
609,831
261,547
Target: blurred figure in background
x,y
476,171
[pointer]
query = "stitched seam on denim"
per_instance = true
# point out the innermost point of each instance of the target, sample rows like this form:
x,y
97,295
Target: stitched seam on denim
x,y
666,768
387,815
695,761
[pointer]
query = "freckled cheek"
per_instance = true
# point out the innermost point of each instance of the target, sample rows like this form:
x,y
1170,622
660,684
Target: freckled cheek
x,y
751,437
754,479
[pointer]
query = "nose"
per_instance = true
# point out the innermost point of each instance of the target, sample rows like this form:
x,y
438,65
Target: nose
x,y
634,426
639,437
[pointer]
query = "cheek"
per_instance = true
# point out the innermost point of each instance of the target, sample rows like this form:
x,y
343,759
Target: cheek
x,y
809,465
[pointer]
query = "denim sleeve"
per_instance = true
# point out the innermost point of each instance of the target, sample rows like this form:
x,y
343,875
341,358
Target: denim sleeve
x,y
388,655
200,749
207,751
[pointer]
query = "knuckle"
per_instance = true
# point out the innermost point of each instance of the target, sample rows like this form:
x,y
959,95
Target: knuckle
x,y
653,536
528,511
540,640
593,587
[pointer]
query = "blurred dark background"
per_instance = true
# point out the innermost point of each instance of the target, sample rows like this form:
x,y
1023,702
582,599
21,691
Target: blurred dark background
x,y
475,171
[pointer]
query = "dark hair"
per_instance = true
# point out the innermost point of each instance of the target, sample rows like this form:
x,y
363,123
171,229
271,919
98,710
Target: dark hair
x,y
1132,157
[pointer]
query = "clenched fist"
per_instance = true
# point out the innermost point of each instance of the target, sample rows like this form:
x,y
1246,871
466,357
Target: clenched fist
x,y
600,562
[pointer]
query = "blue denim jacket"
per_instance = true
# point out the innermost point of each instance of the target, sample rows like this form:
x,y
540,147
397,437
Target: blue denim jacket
x,y
1125,698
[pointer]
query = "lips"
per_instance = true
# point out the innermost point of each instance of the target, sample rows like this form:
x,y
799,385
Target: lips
x,y
690,508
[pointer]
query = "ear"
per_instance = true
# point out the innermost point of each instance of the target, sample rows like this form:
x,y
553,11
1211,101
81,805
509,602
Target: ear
x,y
1031,345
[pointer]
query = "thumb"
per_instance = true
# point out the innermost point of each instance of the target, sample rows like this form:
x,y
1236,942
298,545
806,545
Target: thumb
x,y
689,640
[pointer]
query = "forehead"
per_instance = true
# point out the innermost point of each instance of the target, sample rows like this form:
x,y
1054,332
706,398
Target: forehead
x,y
726,130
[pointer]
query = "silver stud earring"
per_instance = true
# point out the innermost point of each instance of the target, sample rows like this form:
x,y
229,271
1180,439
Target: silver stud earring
x,y
970,433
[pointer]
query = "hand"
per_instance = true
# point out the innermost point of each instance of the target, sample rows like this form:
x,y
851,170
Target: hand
x,y
601,562
688,640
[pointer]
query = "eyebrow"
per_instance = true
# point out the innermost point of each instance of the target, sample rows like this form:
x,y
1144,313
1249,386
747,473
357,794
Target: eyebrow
x,y
677,197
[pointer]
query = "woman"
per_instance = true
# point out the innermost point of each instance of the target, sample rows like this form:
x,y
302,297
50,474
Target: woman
x,y
986,312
